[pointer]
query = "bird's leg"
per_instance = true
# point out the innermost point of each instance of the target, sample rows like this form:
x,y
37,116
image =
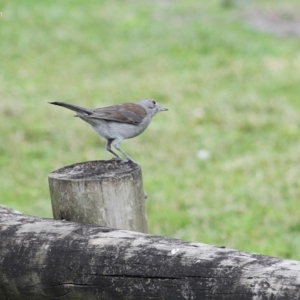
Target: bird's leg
x,y
108,148
116,144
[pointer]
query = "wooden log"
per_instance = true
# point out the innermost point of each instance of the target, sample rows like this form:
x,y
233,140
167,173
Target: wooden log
x,y
50,259
7,210
107,193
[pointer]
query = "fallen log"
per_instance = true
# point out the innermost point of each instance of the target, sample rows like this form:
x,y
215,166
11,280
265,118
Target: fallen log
x,y
51,259
7,210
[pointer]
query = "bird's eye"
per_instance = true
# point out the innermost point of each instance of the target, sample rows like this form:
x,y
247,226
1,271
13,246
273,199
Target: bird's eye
x,y
154,102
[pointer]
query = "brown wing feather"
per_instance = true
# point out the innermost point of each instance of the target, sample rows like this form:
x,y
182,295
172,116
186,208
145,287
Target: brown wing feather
x,y
130,113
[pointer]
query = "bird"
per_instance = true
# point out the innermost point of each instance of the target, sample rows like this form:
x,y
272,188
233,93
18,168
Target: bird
x,y
117,122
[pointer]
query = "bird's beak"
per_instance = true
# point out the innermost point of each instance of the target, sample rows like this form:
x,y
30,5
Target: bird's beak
x,y
161,108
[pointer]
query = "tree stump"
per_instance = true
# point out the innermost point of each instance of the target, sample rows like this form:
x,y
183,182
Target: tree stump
x,y
106,193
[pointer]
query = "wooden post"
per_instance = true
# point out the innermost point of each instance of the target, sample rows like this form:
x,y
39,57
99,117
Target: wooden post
x,y
107,193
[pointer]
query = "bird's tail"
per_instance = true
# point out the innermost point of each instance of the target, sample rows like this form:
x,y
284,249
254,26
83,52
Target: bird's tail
x,y
73,107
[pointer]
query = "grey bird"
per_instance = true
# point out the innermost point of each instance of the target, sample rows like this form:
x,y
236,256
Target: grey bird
x,y
118,122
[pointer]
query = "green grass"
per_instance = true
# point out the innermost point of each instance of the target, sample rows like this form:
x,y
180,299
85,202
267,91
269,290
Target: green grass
x,y
230,90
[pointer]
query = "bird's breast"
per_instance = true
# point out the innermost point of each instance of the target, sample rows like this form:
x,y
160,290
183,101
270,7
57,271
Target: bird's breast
x,y
114,130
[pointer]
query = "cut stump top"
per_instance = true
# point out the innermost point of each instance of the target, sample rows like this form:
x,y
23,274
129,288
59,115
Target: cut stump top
x,y
94,170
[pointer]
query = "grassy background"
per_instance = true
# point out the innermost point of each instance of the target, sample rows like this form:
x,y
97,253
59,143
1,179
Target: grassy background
x,y
232,91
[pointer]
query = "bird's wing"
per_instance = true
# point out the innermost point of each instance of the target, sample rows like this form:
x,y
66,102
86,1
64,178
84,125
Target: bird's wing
x,y
130,113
